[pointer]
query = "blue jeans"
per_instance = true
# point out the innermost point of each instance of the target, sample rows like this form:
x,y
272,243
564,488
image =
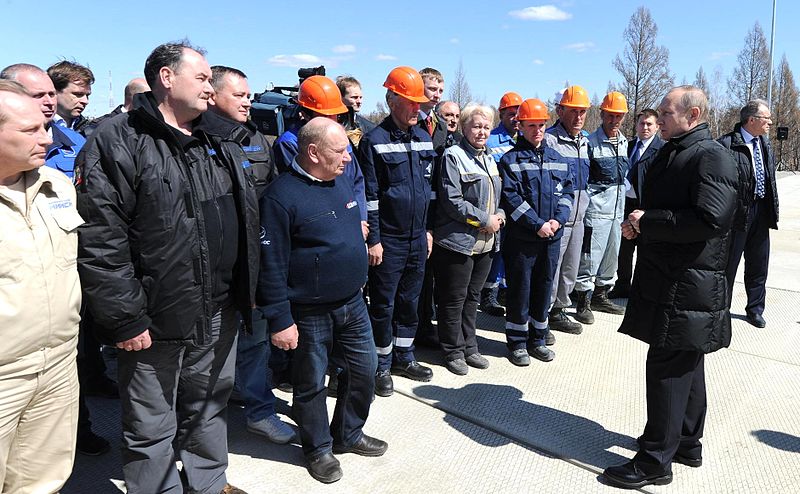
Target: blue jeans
x,y
252,374
343,329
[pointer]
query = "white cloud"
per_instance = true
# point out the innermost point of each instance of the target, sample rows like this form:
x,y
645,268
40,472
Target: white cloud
x,y
579,47
344,49
455,41
298,60
538,61
716,55
383,57
541,13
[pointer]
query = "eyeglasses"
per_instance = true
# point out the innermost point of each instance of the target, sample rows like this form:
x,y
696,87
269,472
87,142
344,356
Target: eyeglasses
x,y
763,117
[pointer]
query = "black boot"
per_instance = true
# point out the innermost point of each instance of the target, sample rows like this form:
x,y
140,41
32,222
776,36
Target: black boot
x,y
489,303
583,313
601,303
559,321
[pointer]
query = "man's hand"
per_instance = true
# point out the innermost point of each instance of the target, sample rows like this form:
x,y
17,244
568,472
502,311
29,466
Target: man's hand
x,y
628,231
141,342
546,231
285,339
429,236
365,229
375,254
634,218
554,226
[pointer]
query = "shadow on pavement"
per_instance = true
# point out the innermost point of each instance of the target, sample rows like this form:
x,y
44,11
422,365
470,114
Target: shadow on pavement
x,y
778,440
502,410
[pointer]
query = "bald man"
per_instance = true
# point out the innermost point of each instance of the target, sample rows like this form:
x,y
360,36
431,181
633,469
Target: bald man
x,y
134,87
313,265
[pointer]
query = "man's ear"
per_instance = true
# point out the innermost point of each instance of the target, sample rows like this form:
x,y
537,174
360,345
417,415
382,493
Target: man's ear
x,y
313,153
166,76
694,114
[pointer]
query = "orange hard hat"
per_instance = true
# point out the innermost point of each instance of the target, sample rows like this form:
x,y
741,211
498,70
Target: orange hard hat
x,y
575,97
320,94
614,102
406,82
532,109
510,99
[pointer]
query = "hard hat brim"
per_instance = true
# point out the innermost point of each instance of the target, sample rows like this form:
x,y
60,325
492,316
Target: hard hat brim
x,y
330,111
415,99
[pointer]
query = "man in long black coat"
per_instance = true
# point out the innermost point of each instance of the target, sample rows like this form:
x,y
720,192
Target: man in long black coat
x,y
679,298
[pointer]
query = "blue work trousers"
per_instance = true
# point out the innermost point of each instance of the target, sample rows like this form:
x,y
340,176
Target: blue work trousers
x,y
394,289
530,268
343,329
252,374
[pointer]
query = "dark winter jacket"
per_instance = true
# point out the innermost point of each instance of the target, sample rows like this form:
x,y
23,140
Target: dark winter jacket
x,y
641,166
169,222
747,180
679,298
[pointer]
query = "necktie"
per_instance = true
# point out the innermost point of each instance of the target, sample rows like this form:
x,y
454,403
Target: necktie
x,y
429,123
759,166
637,152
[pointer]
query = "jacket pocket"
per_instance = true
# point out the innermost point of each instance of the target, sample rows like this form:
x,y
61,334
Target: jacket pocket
x,y
65,237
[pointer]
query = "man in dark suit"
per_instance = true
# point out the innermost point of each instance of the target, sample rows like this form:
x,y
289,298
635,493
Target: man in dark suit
x,y
757,208
641,152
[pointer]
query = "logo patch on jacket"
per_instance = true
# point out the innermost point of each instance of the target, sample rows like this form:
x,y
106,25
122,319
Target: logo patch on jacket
x,y
57,204
559,187
351,204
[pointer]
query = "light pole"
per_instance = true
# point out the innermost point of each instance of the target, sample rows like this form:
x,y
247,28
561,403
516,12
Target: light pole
x,y
771,49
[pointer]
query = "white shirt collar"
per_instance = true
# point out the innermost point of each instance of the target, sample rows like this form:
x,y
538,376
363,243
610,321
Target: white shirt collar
x,y
304,173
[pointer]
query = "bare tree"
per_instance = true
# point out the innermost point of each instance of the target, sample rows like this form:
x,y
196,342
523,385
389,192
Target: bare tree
x,y
378,114
644,65
592,121
459,88
750,78
786,113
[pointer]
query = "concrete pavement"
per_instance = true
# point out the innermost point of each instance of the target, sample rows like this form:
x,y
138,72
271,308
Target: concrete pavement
x,y
552,427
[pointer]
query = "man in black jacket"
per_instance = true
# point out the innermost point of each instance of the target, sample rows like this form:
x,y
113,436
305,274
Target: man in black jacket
x,y
679,298
757,210
166,259
313,265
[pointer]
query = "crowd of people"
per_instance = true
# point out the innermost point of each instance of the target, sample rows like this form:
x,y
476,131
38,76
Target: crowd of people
x,y
174,235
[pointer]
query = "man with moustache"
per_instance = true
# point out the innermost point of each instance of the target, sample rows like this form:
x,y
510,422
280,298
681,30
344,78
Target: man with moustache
x,y
397,157
166,260
568,140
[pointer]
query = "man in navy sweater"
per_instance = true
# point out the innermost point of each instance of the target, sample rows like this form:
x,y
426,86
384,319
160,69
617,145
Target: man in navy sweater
x,y
313,266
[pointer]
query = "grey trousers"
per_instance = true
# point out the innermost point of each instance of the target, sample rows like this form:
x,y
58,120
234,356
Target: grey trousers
x,y
569,257
173,398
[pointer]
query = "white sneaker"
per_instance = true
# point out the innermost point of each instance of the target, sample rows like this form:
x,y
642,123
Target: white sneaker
x,y
273,429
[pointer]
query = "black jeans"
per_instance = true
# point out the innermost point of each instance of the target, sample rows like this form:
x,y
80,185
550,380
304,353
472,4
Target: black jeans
x,y
459,279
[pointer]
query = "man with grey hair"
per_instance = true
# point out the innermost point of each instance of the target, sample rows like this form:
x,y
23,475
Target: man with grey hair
x,y
167,258
679,299
40,300
757,210
313,265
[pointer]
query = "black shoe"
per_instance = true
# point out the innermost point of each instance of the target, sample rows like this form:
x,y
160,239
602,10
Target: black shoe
x,y
366,446
756,320
383,383
601,303
413,370
91,444
687,460
325,468
558,321
489,303
102,387
631,476
549,339
583,312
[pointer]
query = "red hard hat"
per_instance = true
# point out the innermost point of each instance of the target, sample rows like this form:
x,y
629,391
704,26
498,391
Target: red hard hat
x,y
532,109
406,82
320,94
510,99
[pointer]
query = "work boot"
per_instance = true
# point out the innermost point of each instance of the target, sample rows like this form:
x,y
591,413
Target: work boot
x,y
601,303
559,321
583,313
620,291
489,303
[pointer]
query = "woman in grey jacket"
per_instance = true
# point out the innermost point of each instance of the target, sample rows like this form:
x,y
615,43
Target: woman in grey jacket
x,y
465,237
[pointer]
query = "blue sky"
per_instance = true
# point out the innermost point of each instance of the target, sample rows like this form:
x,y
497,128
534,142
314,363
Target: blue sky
x,y
500,49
